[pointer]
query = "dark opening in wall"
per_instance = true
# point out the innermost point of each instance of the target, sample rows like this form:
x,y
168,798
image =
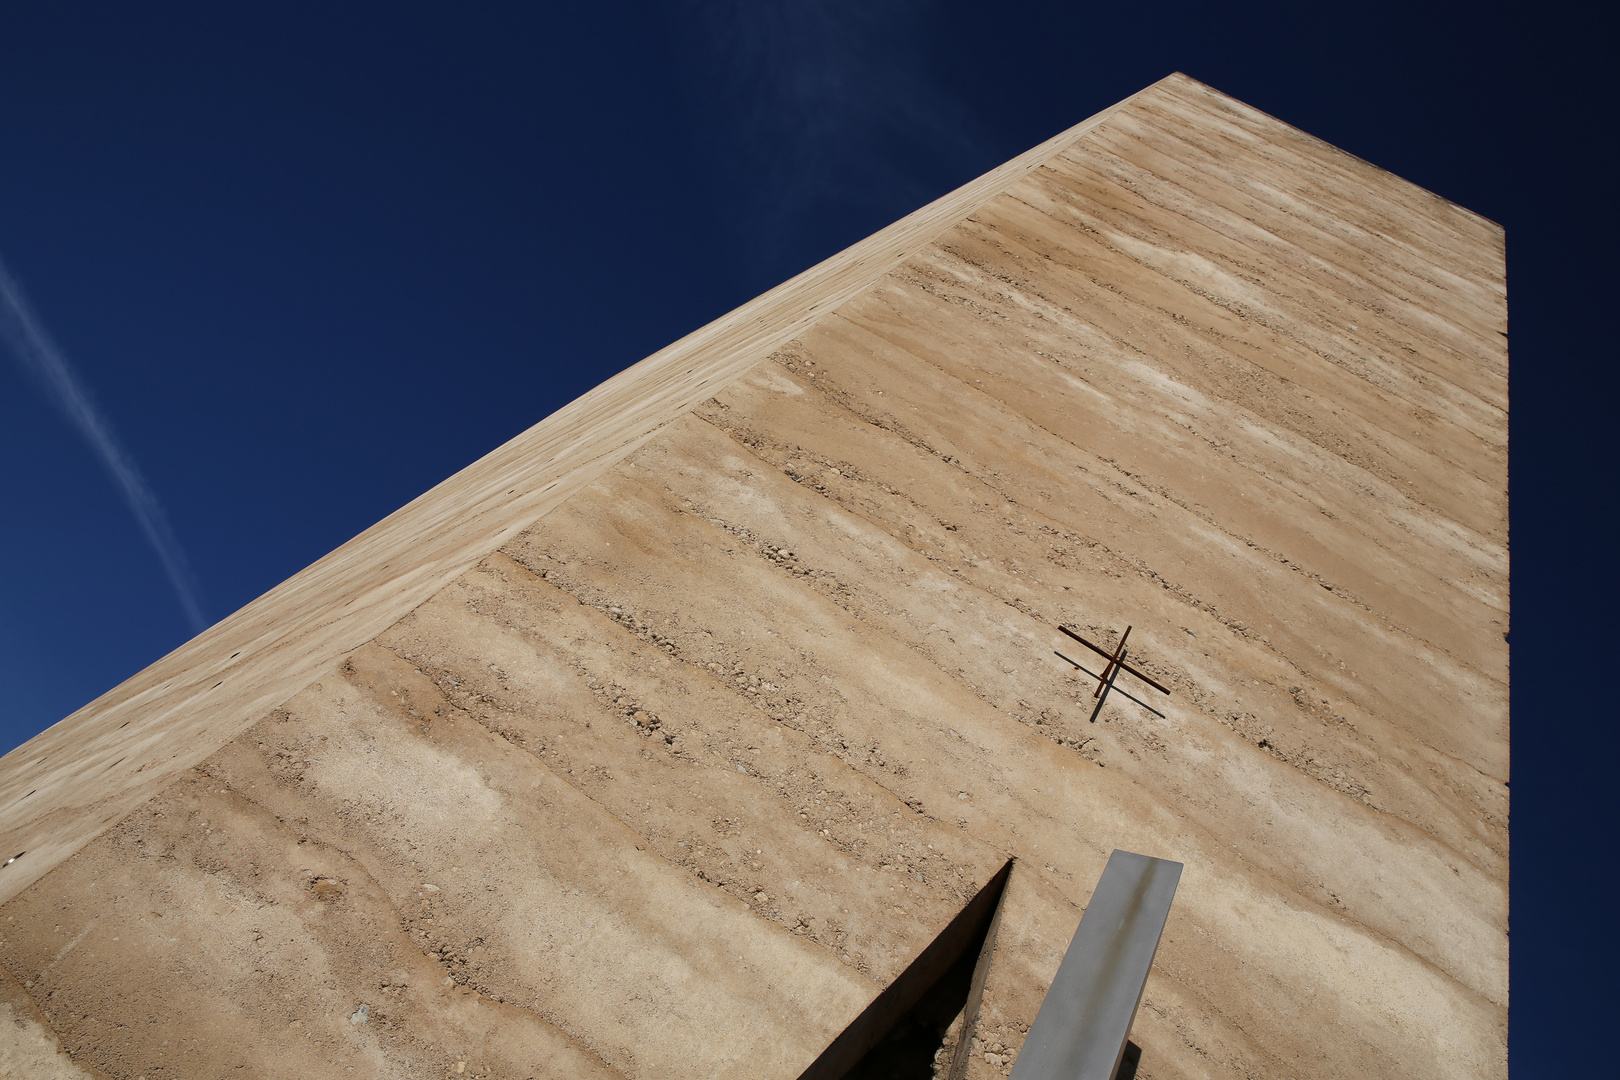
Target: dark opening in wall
x,y
902,1033
917,1046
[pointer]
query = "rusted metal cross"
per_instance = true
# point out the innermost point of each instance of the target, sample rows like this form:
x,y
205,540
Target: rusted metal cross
x,y
1116,664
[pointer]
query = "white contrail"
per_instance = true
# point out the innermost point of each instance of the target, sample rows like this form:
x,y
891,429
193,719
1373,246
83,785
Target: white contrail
x,y
21,330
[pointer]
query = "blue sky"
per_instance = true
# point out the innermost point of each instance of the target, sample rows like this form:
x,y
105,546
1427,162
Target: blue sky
x,y
301,262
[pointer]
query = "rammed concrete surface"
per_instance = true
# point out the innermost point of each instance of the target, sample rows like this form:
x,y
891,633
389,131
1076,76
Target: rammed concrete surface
x,y
657,743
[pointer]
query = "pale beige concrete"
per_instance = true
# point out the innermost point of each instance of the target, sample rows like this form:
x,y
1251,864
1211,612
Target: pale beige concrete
x,y
70,782
28,1046
667,764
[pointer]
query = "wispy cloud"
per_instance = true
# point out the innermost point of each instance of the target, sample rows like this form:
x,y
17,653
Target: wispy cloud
x,y
829,106
39,355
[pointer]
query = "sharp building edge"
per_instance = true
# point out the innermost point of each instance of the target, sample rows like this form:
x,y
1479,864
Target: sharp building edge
x,y
68,783
663,739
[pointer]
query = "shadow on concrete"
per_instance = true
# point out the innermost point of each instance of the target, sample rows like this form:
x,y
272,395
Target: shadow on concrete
x,y
1129,1062
898,1035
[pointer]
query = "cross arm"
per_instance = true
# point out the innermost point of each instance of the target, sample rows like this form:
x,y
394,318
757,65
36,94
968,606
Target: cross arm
x,y
1100,651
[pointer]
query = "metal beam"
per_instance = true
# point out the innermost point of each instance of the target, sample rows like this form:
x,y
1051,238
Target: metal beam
x,y
1081,1029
